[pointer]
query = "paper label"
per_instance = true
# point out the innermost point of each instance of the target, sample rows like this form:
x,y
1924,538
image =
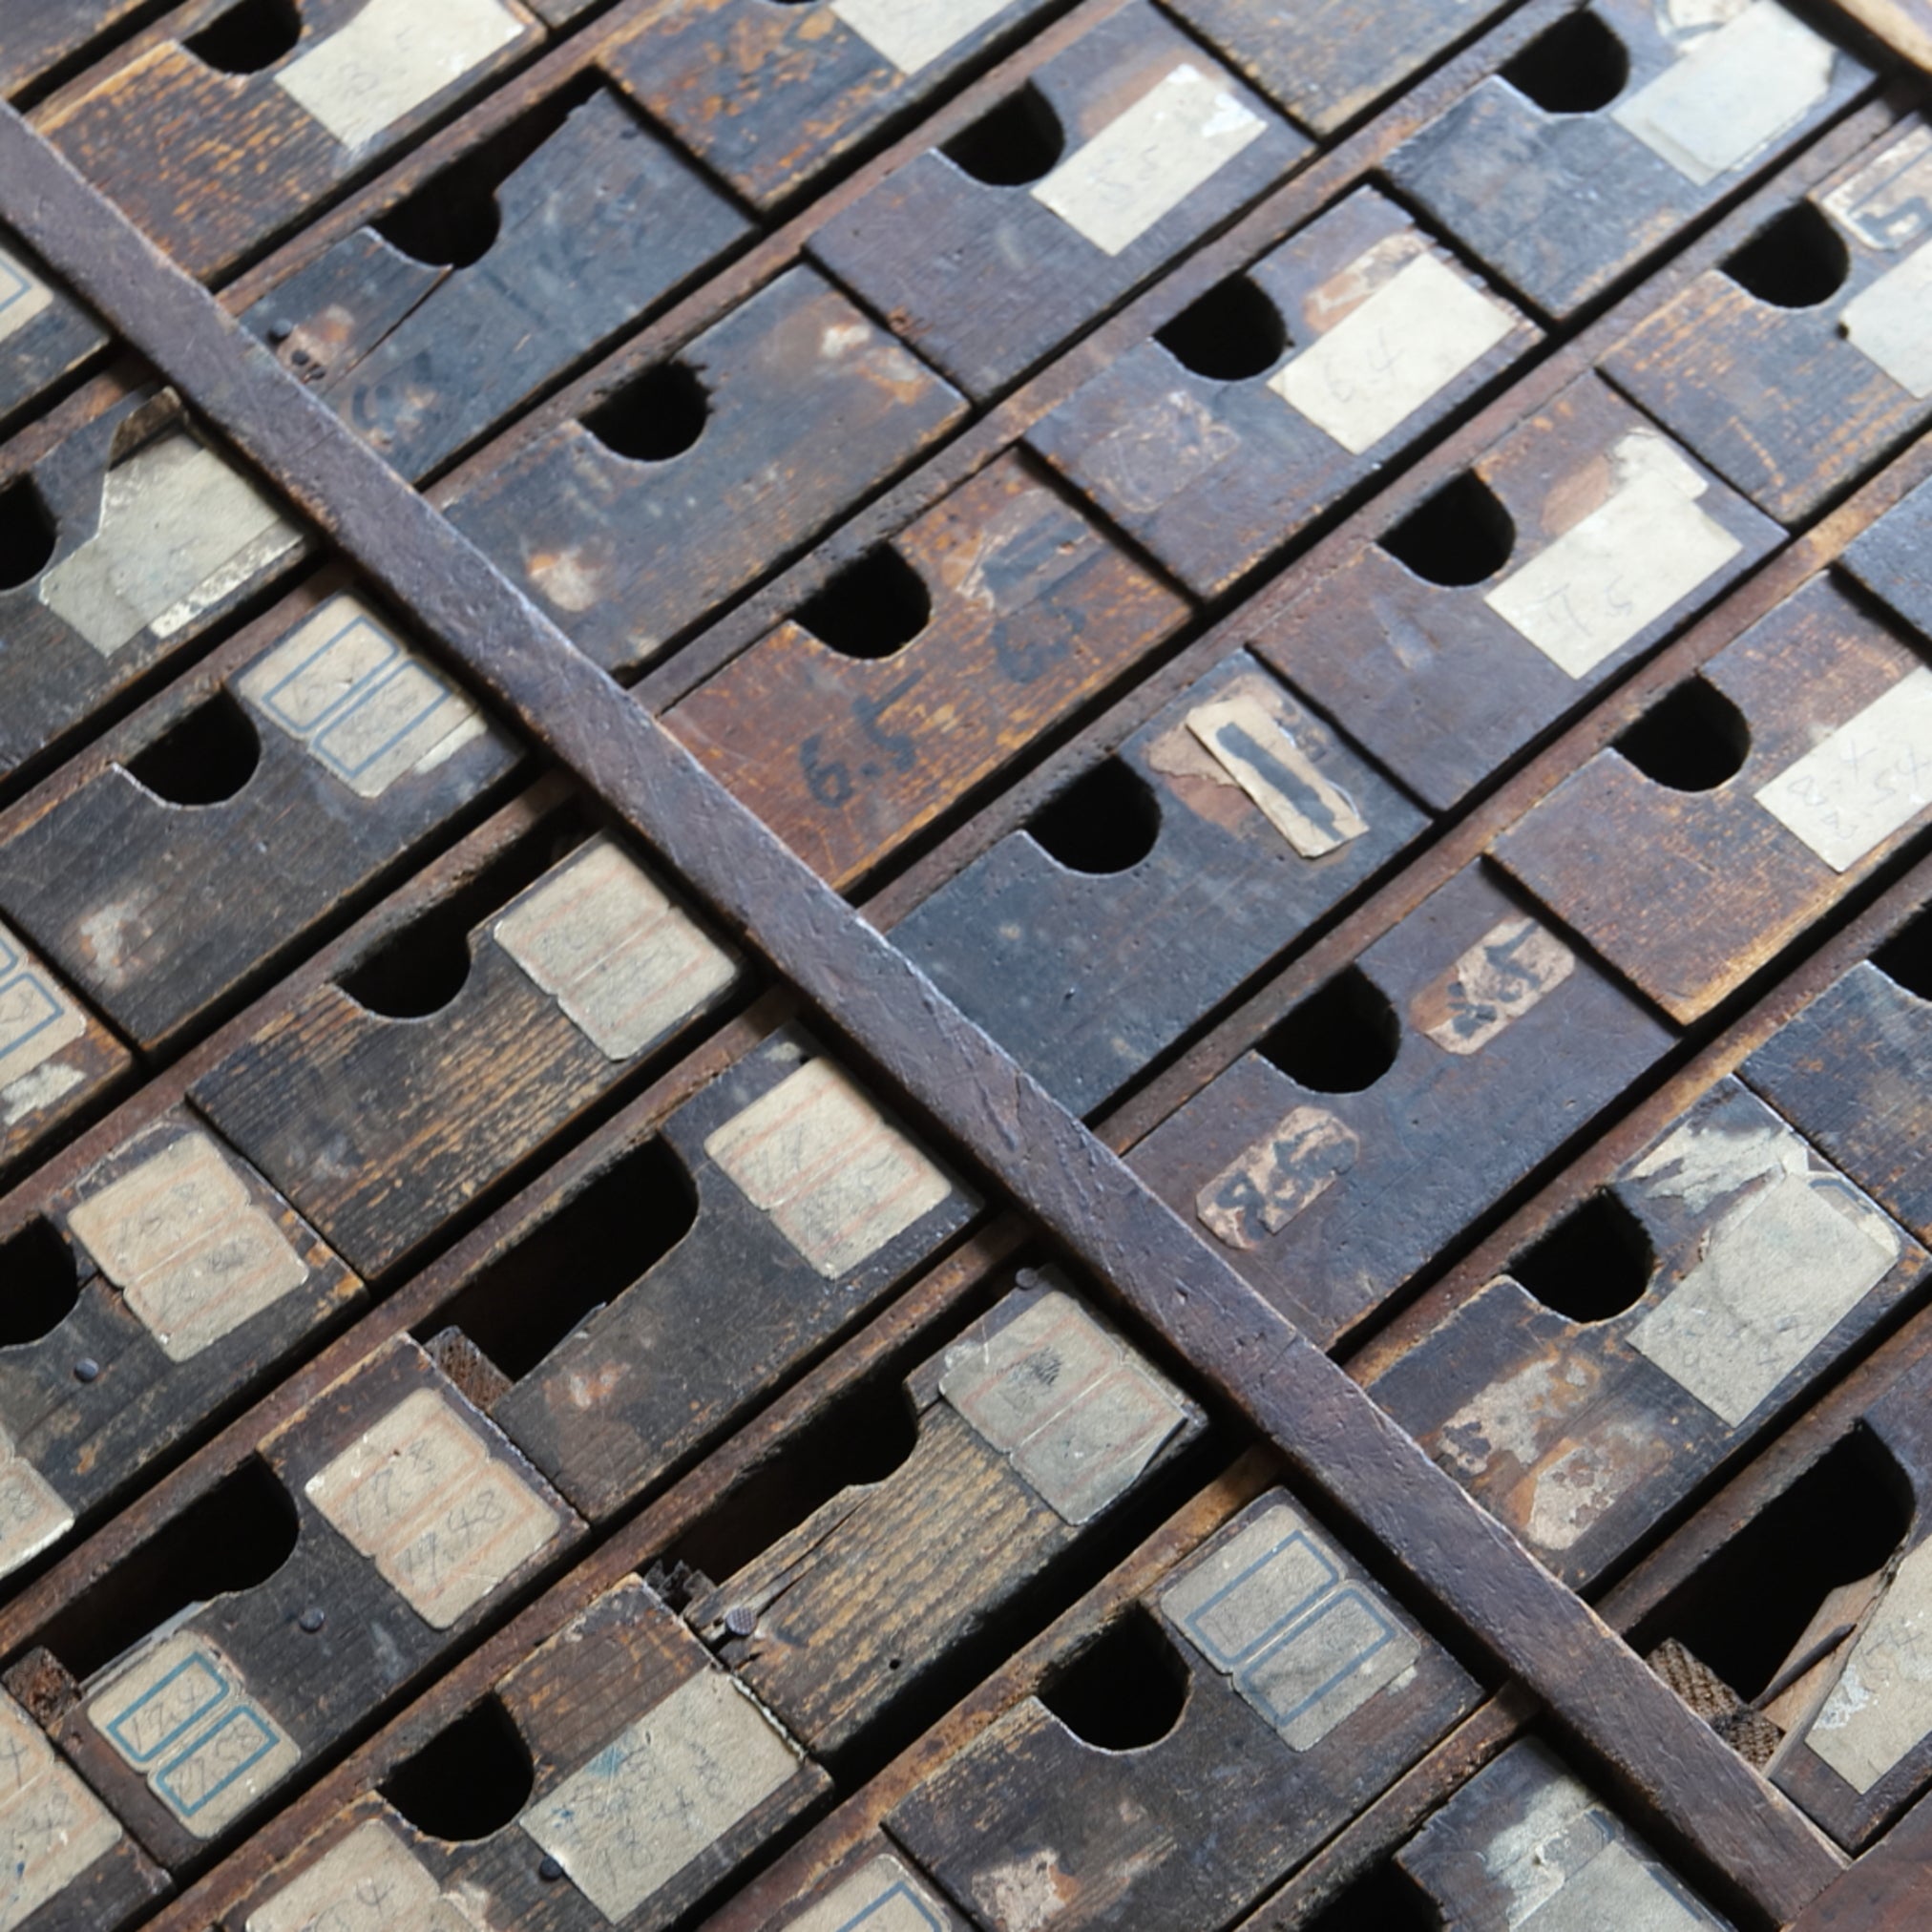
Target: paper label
x,y
837,1178
390,58
179,531
370,1882
624,963
914,33
1890,323
1606,577
880,1896
1868,779
442,1519
366,709
663,1789
1887,204
1078,1412
192,1252
1399,350
32,1516
1513,966
181,1714
1273,1610
1259,754
1732,94
23,295
1260,1193
1147,161
37,1016
1881,1708
53,1828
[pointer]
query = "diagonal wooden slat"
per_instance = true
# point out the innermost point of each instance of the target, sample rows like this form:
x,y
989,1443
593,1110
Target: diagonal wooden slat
x,y
1330,1431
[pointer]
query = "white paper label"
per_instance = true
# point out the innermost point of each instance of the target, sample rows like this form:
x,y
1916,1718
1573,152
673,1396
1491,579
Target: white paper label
x,y
1870,778
32,1516
1606,577
624,963
1890,323
53,1828
880,1896
837,1178
192,1252
179,531
1732,94
1273,1611
1077,1411
1399,350
370,1882
1259,753
1513,967
390,58
181,1714
1887,204
1881,1708
1147,161
663,1789
1283,1174
914,33
37,1016
365,708
23,295
443,1519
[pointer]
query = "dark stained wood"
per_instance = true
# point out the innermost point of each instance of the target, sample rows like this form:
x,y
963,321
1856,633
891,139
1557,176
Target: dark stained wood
x,y
1885,1890
35,39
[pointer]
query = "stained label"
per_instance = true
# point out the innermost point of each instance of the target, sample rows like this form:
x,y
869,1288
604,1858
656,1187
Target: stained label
x,y
663,1791
624,963
366,709
838,1179
914,33
1872,776
23,295
1260,755
370,1882
1887,204
37,1016
442,1519
181,1714
1515,964
192,1252
1619,569
1732,94
1077,1411
390,58
1890,323
880,1896
1881,1708
1277,1178
1395,353
1273,1610
32,1516
53,1828
179,531
1144,163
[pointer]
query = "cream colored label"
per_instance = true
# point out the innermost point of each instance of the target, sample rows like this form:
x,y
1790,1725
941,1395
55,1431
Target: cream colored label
x,y
1277,1178
23,295
625,963
663,1789
1077,1411
1144,164
366,709
837,1178
1732,94
1606,577
880,1896
914,33
33,1517
1513,966
442,1519
1887,204
1400,349
1881,1708
37,1016
1774,1275
1869,779
392,57
1890,323
1274,1612
181,1714
370,1882
1254,747
192,1251
53,1828
179,531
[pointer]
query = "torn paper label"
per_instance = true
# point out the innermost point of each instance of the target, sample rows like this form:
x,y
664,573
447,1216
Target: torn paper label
x,y
1144,163
1881,1708
1260,755
1890,323
1396,353
365,708
23,295
838,1179
53,1828
914,33
38,1018
1285,1172
32,1516
370,1882
1887,204
882,1896
1513,967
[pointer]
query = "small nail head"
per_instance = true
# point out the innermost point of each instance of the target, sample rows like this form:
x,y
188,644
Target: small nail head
x,y
741,1620
549,1871
312,1619
87,1370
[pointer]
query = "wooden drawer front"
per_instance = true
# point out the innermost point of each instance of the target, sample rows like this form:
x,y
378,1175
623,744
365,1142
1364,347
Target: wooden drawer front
x,y
878,1890
847,745
1468,626
1221,830
1614,130
1354,337
1116,154
44,332
799,408
1387,1111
